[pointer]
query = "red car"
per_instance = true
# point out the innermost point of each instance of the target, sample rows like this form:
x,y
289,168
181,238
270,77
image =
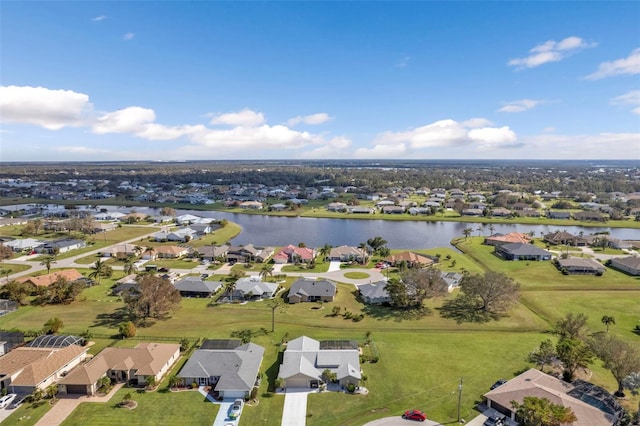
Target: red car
x,y
415,415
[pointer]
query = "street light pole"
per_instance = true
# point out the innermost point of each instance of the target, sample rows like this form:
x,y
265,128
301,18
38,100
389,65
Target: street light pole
x,y
459,398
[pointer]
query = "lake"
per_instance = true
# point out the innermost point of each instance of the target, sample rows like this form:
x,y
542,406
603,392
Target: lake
x,y
264,230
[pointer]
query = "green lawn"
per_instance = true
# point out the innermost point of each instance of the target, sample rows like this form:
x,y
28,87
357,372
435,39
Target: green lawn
x,y
317,267
356,275
12,268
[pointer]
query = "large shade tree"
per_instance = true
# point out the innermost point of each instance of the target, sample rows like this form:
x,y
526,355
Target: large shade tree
x,y
154,297
618,356
542,412
482,298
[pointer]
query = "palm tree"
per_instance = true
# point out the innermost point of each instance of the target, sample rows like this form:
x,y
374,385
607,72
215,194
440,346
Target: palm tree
x,y
98,269
275,304
47,261
129,268
365,252
51,391
230,287
174,381
479,229
266,271
325,251
607,321
491,229
467,232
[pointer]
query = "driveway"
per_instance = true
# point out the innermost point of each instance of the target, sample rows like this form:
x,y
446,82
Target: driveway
x,y
399,421
334,266
294,412
66,404
222,418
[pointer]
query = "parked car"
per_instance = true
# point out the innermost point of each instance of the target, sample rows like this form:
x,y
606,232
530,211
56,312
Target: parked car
x,y
236,409
415,415
18,401
7,399
496,420
498,384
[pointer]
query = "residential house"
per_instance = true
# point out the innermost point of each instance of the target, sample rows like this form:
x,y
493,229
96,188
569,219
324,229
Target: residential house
x,y
560,237
182,235
590,216
61,245
578,265
70,275
452,279
171,252
278,207
103,227
109,216
361,210
374,293
229,367
411,259
472,212
501,212
592,405
630,265
23,245
558,214
129,365
312,290
25,369
196,287
511,237
305,360
10,340
128,283
414,211
393,209
251,205
336,207
519,251
253,288
212,253
346,254
187,219
133,217
294,254
618,244
122,251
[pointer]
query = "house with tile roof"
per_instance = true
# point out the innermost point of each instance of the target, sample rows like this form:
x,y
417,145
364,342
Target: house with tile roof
x,y
412,259
511,237
592,405
305,359
346,254
171,252
128,365
25,369
231,371
70,275
294,254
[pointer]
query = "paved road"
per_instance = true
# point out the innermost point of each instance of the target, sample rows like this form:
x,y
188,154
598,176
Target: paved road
x,y
399,421
294,412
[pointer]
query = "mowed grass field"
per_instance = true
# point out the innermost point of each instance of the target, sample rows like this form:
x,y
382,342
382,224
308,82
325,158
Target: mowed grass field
x,y
422,357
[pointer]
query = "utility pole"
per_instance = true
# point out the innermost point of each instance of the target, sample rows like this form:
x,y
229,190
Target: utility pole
x,y
459,397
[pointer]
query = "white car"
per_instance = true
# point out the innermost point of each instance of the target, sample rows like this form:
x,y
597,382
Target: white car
x,y
6,400
236,409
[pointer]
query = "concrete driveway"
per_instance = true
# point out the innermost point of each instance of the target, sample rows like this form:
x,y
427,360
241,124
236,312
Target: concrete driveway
x,y
294,412
222,418
399,421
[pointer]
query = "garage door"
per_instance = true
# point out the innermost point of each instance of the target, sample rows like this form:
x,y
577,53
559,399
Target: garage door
x,y
297,382
77,389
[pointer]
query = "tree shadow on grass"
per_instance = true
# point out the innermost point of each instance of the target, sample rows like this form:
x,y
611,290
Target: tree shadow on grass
x,y
111,319
462,310
387,313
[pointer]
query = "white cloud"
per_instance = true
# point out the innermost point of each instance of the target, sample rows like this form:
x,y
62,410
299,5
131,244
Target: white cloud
x,y
51,109
128,36
99,18
444,135
80,150
550,51
128,120
597,146
549,129
628,65
631,98
313,119
520,105
334,148
245,117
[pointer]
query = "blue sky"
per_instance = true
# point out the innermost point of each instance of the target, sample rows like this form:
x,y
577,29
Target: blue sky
x,y
293,80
